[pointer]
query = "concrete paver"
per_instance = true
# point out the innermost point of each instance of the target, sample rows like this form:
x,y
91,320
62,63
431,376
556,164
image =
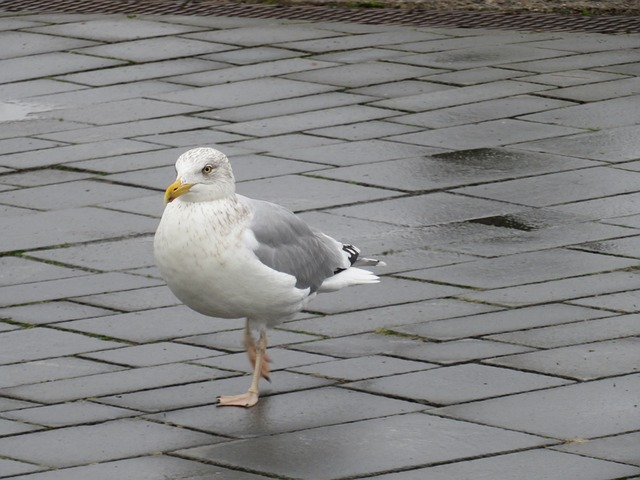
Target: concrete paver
x,y
494,171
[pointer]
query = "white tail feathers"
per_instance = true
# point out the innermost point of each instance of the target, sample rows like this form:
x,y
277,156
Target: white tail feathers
x,y
370,262
346,278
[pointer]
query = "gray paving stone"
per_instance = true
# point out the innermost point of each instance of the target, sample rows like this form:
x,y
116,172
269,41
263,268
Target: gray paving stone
x,y
42,177
111,441
69,414
360,55
151,354
625,69
22,44
496,133
458,38
385,317
250,36
474,76
71,287
135,73
446,169
149,467
195,137
401,89
7,404
479,56
559,290
616,112
243,93
588,42
600,91
359,75
460,96
232,340
85,193
49,369
106,256
205,393
90,96
362,40
122,111
483,111
18,129
415,259
412,211
575,333
611,145
134,299
584,410
16,145
538,463
456,384
16,270
279,358
303,193
132,161
12,467
350,153
515,241
278,144
458,351
360,368
251,55
287,106
631,221
153,49
500,321
132,129
153,325
584,61
361,345
582,362
391,291
626,247
619,448
42,343
603,208
300,122
155,178
365,447
114,29
248,72
523,268
111,383
625,302
69,153
371,130
55,63
10,427
331,406
573,77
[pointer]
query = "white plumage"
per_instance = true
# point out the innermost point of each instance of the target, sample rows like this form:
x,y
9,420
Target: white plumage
x,y
226,255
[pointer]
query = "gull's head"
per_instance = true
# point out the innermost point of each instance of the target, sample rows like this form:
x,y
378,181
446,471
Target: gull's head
x,y
204,174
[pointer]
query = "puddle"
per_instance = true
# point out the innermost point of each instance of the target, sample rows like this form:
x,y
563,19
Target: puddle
x,y
505,221
15,112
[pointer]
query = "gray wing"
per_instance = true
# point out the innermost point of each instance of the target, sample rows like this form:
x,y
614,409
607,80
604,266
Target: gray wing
x,y
287,244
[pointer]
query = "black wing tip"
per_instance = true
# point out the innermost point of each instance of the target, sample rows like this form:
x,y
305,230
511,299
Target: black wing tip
x,y
352,252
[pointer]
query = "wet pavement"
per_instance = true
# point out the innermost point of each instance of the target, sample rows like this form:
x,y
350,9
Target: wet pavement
x,y
496,173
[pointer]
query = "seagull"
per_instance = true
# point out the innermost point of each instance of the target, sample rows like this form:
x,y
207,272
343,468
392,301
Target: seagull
x,y
229,256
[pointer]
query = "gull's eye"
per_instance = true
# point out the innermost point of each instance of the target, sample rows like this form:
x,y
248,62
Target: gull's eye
x,y
207,169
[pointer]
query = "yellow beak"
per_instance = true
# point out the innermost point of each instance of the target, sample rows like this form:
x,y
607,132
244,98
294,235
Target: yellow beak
x,y
176,189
